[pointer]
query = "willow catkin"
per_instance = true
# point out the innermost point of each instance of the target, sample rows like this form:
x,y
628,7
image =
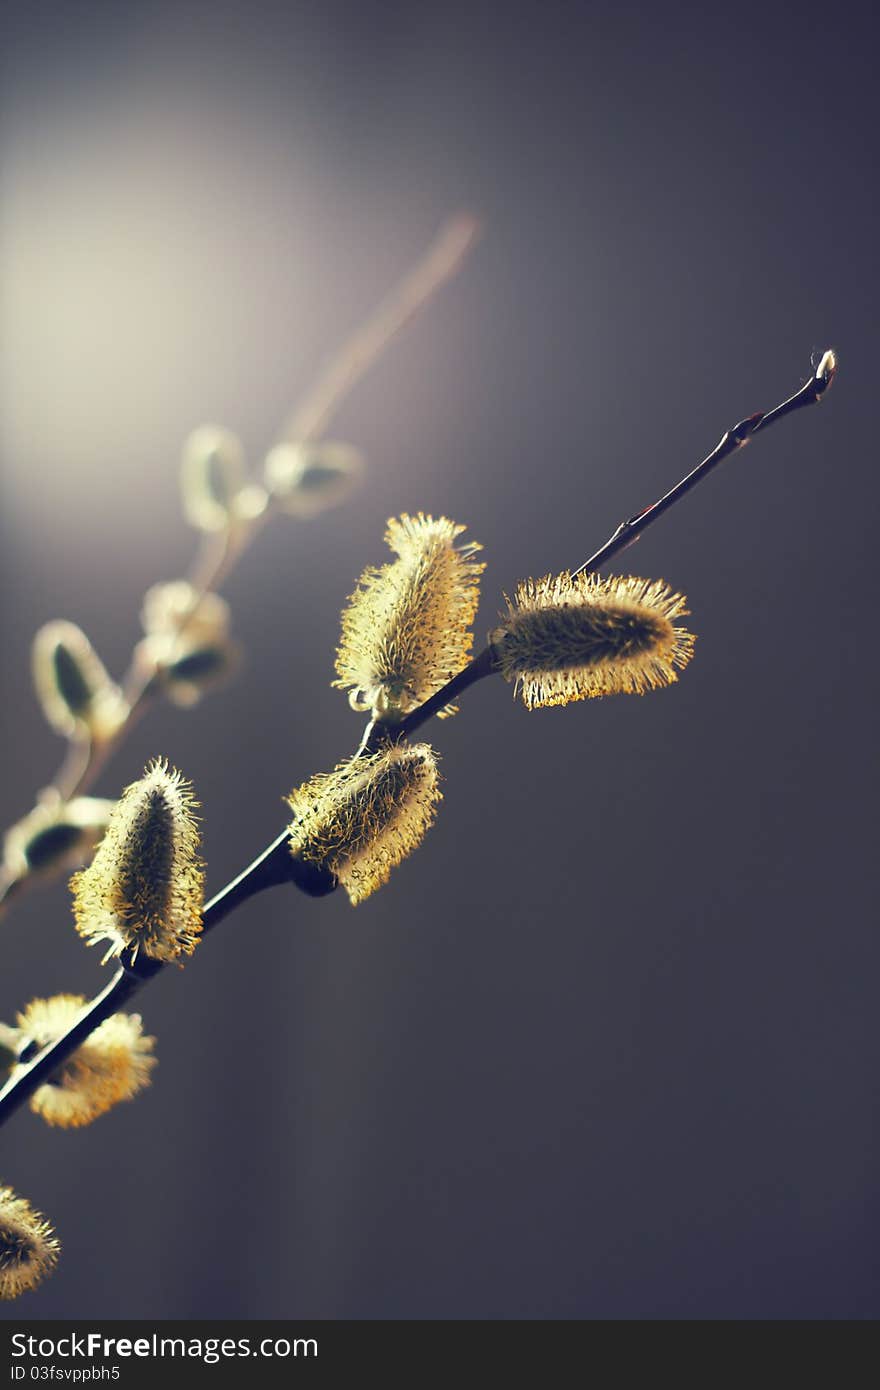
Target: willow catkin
x,y
366,816
406,629
144,889
112,1065
576,637
28,1247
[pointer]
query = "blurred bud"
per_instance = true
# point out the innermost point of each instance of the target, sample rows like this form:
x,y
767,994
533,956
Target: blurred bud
x,y
77,695
55,835
306,479
406,630
211,478
366,816
112,1065
575,637
176,608
187,646
28,1247
144,888
250,502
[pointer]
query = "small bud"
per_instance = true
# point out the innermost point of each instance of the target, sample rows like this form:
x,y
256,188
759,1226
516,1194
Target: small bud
x,y
250,503
827,368
406,629
575,637
144,888
187,645
28,1247
77,695
55,835
112,1065
306,479
366,816
211,478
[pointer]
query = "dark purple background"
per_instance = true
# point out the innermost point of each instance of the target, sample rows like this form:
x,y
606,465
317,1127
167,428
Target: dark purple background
x,y
606,1047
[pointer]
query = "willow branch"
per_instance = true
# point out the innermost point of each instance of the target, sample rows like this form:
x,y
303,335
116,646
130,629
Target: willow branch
x,y
441,262
276,865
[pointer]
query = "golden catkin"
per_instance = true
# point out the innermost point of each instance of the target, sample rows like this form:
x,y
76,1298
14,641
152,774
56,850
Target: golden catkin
x,y
28,1247
112,1065
575,637
144,889
406,629
78,697
366,816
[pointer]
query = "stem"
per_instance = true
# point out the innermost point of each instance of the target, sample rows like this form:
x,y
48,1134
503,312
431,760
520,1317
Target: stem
x,y
440,263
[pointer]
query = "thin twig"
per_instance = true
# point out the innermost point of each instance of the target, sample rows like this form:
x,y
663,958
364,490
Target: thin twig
x,y
442,260
277,865
629,531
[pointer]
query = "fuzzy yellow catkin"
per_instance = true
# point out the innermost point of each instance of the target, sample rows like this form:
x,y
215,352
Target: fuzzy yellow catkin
x,y
575,637
144,889
78,697
406,629
112,1065
28,1247
366,816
